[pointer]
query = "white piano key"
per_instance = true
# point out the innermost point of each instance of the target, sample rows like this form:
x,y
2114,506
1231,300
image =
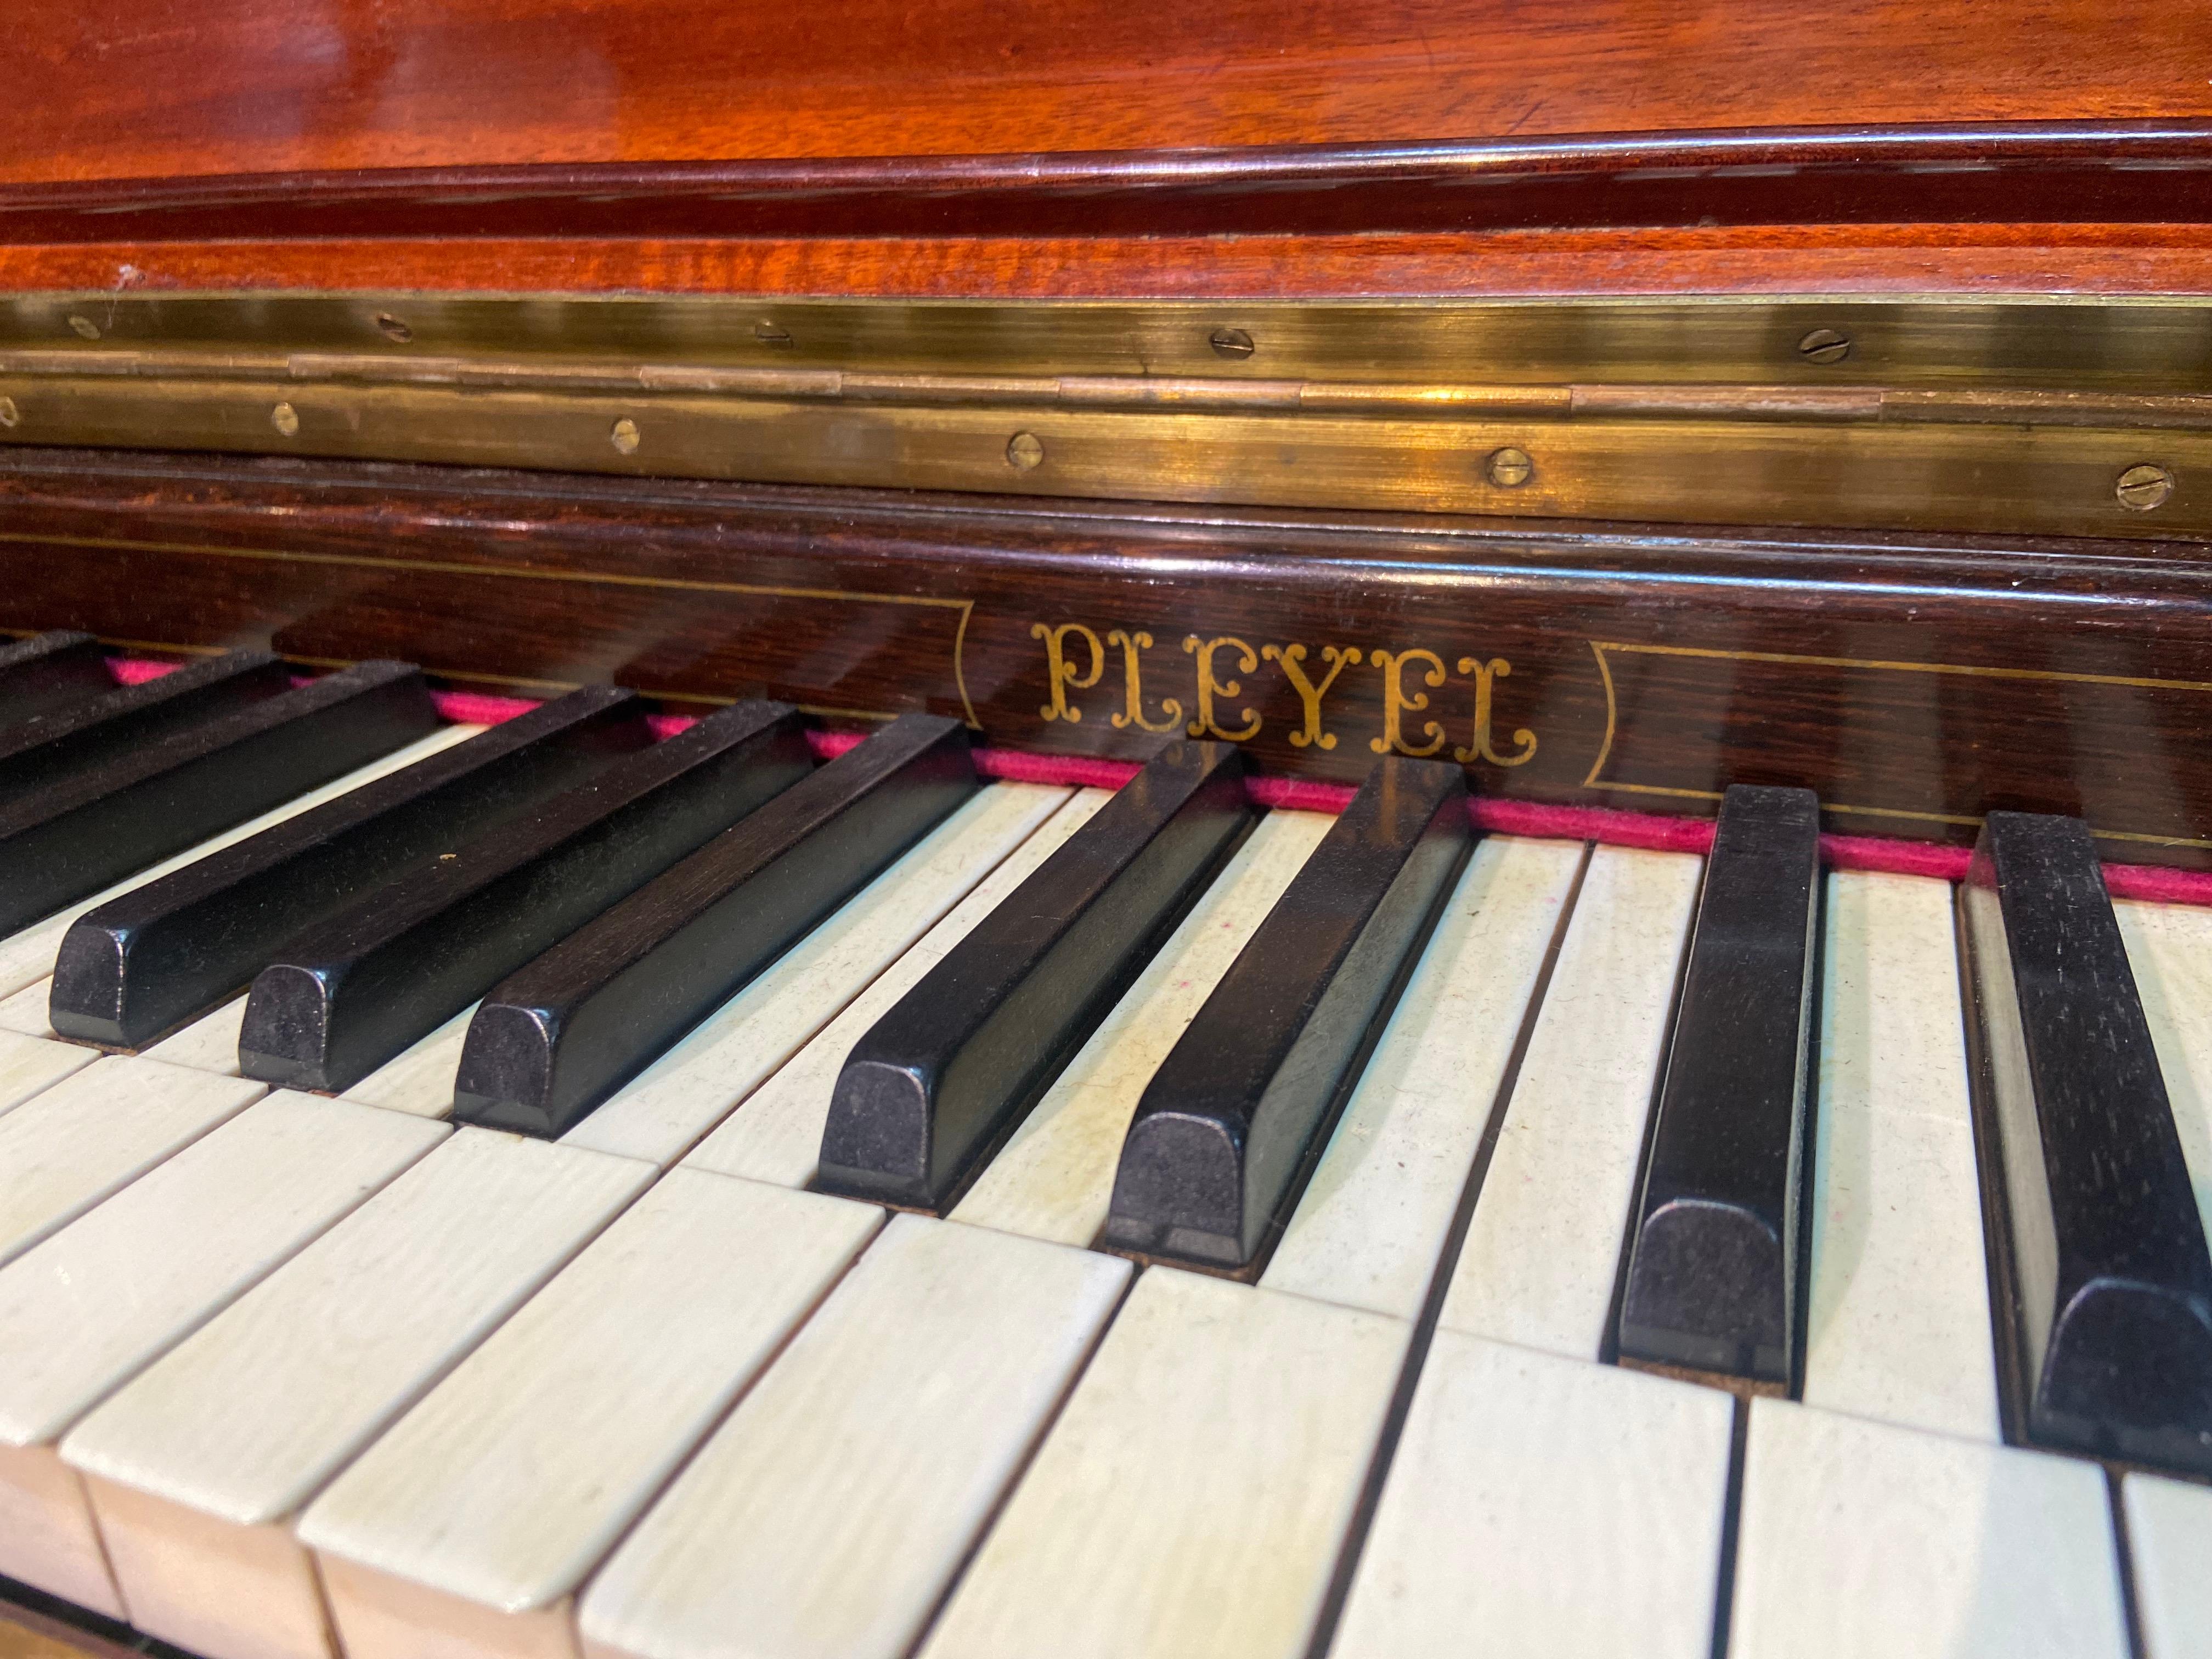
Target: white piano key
x,y
209,1043
30,1066
1863,1541
1543,1247
195,1465
1193,1496
68,1146
1372,1222
26,1010
84,1310
1054,1179
2170,1545
419,1079
468,1527
2170,951
777,1137
29,954
1899,1316
826,1516
661,1114
1542,1505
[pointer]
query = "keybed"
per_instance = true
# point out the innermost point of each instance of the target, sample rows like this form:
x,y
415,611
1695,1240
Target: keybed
x,y
1401,1416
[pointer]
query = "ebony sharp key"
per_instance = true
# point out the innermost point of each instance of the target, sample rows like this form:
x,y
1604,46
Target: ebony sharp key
x,y
92,827
557,1038
2112,1288
1712,1272
1231,1125
350,993
49,671
947,1073
64,742
174,948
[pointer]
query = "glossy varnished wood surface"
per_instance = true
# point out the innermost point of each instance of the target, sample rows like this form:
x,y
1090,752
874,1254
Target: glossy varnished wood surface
x,y
139,89
1915,682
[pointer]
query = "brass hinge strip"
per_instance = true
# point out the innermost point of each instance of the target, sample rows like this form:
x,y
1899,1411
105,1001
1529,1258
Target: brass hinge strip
x,y
1383,399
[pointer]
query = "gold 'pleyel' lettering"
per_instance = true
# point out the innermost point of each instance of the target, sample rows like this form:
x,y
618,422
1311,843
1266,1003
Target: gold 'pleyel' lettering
x,y
1062,672
1133,713
1210,687
1525,740
1398,702
1309,695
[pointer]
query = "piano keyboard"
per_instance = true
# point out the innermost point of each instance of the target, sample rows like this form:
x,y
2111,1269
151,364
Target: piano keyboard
x,y
1517,1245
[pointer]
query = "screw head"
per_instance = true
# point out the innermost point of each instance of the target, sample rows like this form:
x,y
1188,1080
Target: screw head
x,y
392,329
1230,342
1825,345
286,420
2143,486
85,327
1509,468
9,413
1023,451
625,435
771,334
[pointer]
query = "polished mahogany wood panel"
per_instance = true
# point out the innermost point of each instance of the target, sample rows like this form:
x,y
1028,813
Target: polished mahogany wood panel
x,y
1915,683
145,89
1790,260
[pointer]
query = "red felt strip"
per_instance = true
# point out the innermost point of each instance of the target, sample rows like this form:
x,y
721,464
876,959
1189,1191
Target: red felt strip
x,y
1652,830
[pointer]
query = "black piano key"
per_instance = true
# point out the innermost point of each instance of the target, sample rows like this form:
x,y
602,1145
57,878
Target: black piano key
x,y
1712,1271
557,1037
350,993
2113,1287
49,671
1232,1123
92,827
936,1084
38,752
163,952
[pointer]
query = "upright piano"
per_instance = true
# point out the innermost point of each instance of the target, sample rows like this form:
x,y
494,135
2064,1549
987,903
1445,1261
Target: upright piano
x,y
1276,832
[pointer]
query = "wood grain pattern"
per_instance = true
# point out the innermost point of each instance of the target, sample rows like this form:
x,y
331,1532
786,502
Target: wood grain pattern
x,y
1915,681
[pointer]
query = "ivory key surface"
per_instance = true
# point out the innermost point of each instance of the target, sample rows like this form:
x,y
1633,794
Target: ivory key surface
x,y
1543,1247
1898,1324
1054,1177
1863,1541
777,1135
1373,1220
664,1111
1542,1505
69,1146
2170,1545
1194,1495
468,1525
30,1066
827,1514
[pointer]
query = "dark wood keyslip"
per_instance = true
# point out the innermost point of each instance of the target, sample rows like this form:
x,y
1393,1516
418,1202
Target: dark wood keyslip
x,y
37,753
347,994
165,951
49,671
1712,1270
2103,1245
95,827
1233,1122
940,1081
555,1039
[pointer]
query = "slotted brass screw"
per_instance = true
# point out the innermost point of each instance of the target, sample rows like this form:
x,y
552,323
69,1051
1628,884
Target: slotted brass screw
x,y
625,435
85,327
1230,342
771,334
286,420
1509,469
1825,345
2144,486
392,329
1023,451
9,413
